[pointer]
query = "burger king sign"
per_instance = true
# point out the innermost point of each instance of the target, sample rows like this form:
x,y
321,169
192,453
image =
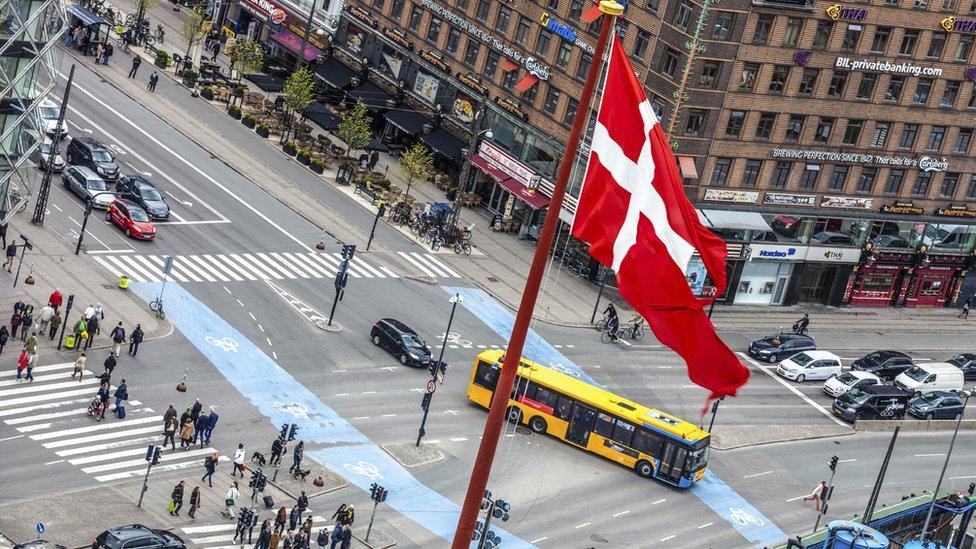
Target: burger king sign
x,y
266,7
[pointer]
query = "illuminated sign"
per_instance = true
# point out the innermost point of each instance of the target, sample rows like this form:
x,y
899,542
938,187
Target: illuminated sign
x,y
564,31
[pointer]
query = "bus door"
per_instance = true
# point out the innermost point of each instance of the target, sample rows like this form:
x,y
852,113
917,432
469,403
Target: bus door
x,y
672,462
581,423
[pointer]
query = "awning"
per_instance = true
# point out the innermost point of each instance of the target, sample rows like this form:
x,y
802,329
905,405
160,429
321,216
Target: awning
x,y
321,116
411,122
727,219
372,95
334,73
86,17
444,143
508,65
687,165
293,42
266,82
534,199
525,83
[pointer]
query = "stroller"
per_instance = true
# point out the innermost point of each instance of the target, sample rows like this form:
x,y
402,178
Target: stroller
x,y
97,408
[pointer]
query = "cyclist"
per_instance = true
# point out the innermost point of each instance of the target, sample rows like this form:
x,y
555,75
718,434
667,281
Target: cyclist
x,y
800,326
613,325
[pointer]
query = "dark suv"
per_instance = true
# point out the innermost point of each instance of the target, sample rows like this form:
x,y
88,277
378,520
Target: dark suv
x,y
144,194
401,342
884,364
137,535
85,151
776,347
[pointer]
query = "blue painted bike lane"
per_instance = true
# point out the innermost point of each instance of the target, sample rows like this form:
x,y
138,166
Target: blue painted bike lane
x,y
283,399
712,491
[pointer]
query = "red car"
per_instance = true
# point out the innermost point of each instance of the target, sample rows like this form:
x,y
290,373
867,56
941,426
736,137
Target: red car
x,y
131,218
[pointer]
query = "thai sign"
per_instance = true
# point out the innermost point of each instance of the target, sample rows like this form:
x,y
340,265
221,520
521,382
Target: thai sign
x,y
837,11
956,210
950,24
902,208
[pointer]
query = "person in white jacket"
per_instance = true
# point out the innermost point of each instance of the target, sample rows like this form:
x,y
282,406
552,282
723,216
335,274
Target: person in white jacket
x,y
231,500
239,461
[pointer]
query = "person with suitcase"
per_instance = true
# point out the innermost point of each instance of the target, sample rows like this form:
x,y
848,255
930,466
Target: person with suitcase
x,y
121,394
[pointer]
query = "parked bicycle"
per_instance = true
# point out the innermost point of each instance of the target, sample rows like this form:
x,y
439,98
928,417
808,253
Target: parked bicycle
x,y
156,306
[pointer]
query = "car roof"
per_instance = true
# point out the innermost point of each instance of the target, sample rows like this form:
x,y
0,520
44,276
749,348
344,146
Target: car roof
x,y
821,355
884,390
862,375
128,203
966,356
129,529
89,142
86,172
889,354
943,394
939,367
399,325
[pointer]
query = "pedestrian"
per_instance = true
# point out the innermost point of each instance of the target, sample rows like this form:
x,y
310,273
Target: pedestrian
x,y
273,542
47,312
287,539
99,52
22,361
3,234
194,501
11,254
307,527
169,432
199,428
15,321
92,329
4,336
118,338
186,434
110,363
55,323
31,362
336,535
277,449
31,344
296,457
105,377
254,522
350,515
211,424
293,518
216,51
55,298
170,413
153,80
80,366
300,541
195,411
264,538
177,498
136,61
238,460
88,312
209,466
121,393
965,308
100,312
26,321
340,513
280,519
322,539
817,494
231,499
135,339
184,416
108,51
346,539
81,333
302,505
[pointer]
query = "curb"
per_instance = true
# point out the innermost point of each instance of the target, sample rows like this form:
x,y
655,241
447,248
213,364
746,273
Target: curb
x,y
780,441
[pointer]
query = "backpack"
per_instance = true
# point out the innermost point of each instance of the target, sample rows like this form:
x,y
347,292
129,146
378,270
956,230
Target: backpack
x,y
208,463
323,539
118,336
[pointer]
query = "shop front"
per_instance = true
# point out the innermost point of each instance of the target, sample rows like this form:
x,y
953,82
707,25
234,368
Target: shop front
x,y
823,275
936,283
509,190
914,280
764,277
877,282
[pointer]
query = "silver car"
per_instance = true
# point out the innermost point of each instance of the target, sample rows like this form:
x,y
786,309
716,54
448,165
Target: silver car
x,y
88,185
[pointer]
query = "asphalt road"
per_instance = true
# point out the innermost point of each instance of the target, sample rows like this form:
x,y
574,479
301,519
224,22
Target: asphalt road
x,y
560,497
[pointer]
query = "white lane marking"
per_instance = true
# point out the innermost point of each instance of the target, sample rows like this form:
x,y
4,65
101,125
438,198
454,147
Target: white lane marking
x,y
672,536
706,525
245,267
93,252
585,524
928,455
369,269
303,271
797,497
217,264
443,266
254,262
537,540
274,355
310,265
658,501
56,207
96,428
53,462
252,315
422,258
757,474
459,439
852,460
204,267
341,394
794,390
239,302
260,327
369,392
274,265
10,438
361,417
269,342
89,233
416,264
621,513
388,415
184,263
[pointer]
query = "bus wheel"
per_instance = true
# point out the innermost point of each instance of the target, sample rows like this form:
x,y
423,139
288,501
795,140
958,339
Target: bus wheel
x,y
538,425
644,468
514,415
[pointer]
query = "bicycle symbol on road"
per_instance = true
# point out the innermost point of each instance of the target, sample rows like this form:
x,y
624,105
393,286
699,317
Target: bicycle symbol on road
x,y
226,344
454,338
296,409
745,518
564,370
364,468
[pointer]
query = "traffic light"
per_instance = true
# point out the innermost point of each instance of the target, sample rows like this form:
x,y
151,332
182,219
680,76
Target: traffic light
x,y
341,278
425,403
501,510
292,431
434,368
372,491
153,453
262,483
348,250
833,464
284,431
377,493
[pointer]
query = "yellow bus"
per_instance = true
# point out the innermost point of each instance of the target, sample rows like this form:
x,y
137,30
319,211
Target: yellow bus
x,y
653,443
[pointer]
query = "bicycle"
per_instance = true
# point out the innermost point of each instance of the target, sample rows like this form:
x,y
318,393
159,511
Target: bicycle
x,y
123,42
463,246
159,34
156,306
633,329
606,337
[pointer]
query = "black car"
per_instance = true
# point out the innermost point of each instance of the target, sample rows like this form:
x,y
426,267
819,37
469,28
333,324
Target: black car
x,y
776,347
936,405
39,544
137,535
874,402
832,237
884,364
965,362
85,151
144,194
401,341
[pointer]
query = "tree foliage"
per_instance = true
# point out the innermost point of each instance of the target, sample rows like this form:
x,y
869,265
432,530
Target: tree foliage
x,y
417,164
354,130
247,58
194,27
299,90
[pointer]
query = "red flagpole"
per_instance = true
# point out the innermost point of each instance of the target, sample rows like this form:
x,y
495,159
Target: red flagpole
x,y
497,412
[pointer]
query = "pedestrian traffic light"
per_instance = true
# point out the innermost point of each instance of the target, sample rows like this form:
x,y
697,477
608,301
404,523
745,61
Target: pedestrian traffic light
x,y
284,431
383,493
150,452
292,431
434,367
348,250
833,463
425,403
341,278
153,453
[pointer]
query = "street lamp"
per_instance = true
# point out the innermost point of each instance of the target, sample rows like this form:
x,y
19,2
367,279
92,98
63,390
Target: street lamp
x,y
308,29
435,367
89,204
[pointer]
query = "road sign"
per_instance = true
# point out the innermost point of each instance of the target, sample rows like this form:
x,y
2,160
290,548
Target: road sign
x,y
431,385
167,264
40,527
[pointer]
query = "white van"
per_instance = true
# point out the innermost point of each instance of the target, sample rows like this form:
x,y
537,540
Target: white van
x,y
931,376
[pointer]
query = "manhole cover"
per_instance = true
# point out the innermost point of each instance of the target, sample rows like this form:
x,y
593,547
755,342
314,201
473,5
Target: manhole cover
x,y
492,279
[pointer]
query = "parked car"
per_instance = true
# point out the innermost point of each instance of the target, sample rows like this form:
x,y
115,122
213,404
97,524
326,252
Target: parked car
x,y
840,384
931,376
884,364
785,225
47,117
400,341
137,535
39,544
831,237
85,151
810,365
874,402
87,185
39,155
776,347
132,219
890,241
144,194
936,405
965,362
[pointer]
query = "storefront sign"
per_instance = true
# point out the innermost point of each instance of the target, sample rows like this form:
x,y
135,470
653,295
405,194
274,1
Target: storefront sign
x,y
902,208
724,195
885,66
950,24
436,59
463,108
837,11
399,37
313,39
364,15
776,252
473,81
848,202
929,164
511,106
833,255
392,62
269,9
426,86
531,64
956,210
783,199
355,37
850,158
564,31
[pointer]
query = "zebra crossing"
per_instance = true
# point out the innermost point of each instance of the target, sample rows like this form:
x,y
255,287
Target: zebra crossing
x,y
221,536
53,412
240,267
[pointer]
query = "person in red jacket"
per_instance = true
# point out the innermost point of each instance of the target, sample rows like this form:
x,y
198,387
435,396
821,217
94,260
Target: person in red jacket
x,y
55,299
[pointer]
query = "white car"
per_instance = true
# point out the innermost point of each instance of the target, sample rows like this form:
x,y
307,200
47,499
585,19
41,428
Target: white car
x,y
47,114
838,385
810,365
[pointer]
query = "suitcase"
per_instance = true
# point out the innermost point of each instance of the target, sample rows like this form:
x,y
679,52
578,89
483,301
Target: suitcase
x,y
268,502
120,410
69,342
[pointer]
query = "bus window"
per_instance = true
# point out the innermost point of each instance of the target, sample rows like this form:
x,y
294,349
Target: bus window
x,y
604,425
623,432
563,405
486,376
522,388
648,442
546,397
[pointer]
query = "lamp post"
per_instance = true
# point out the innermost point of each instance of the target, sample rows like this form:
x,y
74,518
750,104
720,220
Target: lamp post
x,y
89,204
24,247
308,29
40,208
439,365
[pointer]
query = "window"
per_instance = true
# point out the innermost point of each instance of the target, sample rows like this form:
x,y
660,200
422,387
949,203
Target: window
x,y
880,41
652,5
554,5
971,190
880,137
623,432
575,10
853,132
950,93
709,75
658,105
908,136
669,62
563,54
972,98
504,17
824,127
751,174
720,173
378,4
734,126
922,91
529,96
696,121
937,45
822,37
434,30
851,37
838,178
936,137
964,47
792,35
963,139
808,82
471,52
724,23
486,375
866,182
484,6
794,128
837,82
640,44
949,182
781,174
922,182
748,79
808,181
950,5
584,66
604,425
764,23
563,407
571,107
648,442
509,79
891,3
453,41
396,11
682,16
895,179
866,87
895,87
542,43
491,64
462,5
552,100
765,126
778,81
922,4
522,31
908,42
415,15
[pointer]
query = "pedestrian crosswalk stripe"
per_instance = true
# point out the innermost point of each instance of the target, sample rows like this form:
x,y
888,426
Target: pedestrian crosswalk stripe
x,y
283,264
105,457
442,265
98,427
243,266
45,406
48,377
429,265
107,446
102,436
267,271
141,462
230,527
148,266
48,368
56,415
317,268
47,396
27,387
48,425
218,262
156,470
190,266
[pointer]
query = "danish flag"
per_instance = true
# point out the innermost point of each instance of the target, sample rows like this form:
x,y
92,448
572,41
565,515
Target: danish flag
x,y
637,220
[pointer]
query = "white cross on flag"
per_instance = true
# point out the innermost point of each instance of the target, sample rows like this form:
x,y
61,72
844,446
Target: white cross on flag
x,y
636,218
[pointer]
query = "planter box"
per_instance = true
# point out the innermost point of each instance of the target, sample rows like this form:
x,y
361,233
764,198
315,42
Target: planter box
x,y
317,169
236,115
208,95
290,151
263,133
249,123
304,160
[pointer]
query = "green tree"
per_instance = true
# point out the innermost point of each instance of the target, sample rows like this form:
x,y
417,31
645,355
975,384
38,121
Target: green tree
x,y
417,164
298,93
194,28
248,57
354,130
